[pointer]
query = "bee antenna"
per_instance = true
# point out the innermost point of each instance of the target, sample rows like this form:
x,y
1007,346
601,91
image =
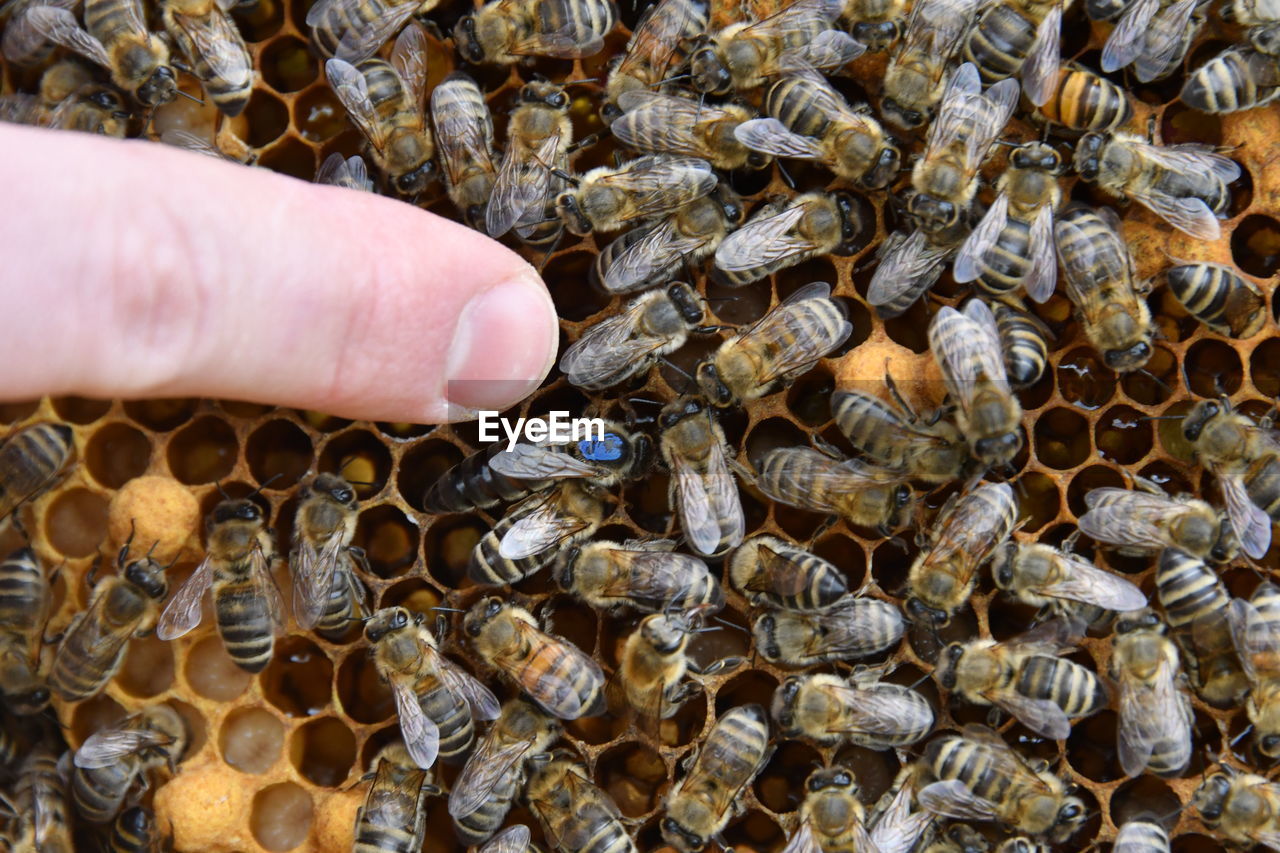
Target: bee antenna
x,y
1162,417
576,82
264,484
449,609
546,256
191,97
786,176
678,369
645,400
566,177
1006,143
1158,380
674,79
222,491
729,624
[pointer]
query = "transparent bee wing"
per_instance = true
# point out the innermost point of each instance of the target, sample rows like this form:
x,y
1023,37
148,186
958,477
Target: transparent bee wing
x,y
822,96
1192,158
573,41
316,14
908,263
352,90
1043,717
490,762
610,351
421,734
480,699
543,527
1152,712
771,136
797,332
358,44
513,839
801,16
536,462
409,58
665,123
1256,638
339,171
1091,585
969,116
966,351
899,829
1126,518
763,241
829,50
314,570
659,184
219,44
556,696
710,507
656,39
952,799
20,108
1040,70
967,265
105,748
1189,215
1042,279
658,576
936,25
260,575
182,614
879,710
803,841
1164,39
658,251
780,575
22,43
60,26
1252,526
1125,42
522,187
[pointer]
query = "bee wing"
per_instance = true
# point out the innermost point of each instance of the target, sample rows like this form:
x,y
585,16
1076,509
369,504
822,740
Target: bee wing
x,y
359,43
1152,711
965,349
1252,526
348,172
19,108
952,799
182,613
1043,717
656,38
966,114
1040,70
556,696
489,763
773,137
810,336
22,43
536,462
656,122
1125,42
545,526
609,351
781,574
61,27
1190,215
480,699
1043,277
1190,157
659,184
220,45
104,748
907,263
828,50
899,829
707,501
420,733
313,575
803,841
822,96
1164,39
572,41
659,249
803,15
1254,637
409,58
935,25
1124,517
513,839
764,240
352,90
260,573
870,710
1091,585
521,188
657,575
967,264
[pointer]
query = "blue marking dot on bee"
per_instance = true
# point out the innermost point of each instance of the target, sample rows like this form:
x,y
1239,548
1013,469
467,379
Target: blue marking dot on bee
x,y
608,449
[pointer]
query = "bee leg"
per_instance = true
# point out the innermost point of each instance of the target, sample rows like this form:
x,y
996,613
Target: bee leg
x,y
993,717
899,399
827,524
825,447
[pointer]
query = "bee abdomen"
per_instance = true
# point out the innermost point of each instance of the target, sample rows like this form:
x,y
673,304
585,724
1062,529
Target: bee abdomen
x,y
1237,79
477,827
1005,265
1026,353
583,18
488,566
99,793
384,839
29,460
1067,684
999,42
1219,298
1187,589
23,591
1085,101
343,609
245,627
969,763
790,101
472,484
453,717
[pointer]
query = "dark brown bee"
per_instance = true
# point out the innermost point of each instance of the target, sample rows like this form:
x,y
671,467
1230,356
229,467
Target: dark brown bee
x,y
1084,101
24,608
30,459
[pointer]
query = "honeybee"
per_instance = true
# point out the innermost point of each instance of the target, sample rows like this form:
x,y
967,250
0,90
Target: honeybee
x,y
40,801
502,32
771,572
653,665
967,531
464,137
1020,37
24,608
435,698
783,235
1027,676
702,802
496,769
327,593
909,264
111,760
1255,630
1240,78
875,23
1043,576
669,124
1153,36
30,459
831,816
1241,807
979,777
513,839
933,451
576,816
945,178
1025,342
134,831
1195,605
1219,297
862,710
529,536
122,607
1241,455
472,484
1012,247
348,172
394,814
913,80
1099,279
967,348
385,101
958,838
652,254
1147,520
812,121
1082,100
703,489
246,602
608,198
1185,185
551,671
1141,835
643,575
1155,714
659,44
538,137
850,629
895,827
70,99
354,30
862,494
212,44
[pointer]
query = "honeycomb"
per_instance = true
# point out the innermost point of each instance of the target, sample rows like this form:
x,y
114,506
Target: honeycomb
x,y
276,759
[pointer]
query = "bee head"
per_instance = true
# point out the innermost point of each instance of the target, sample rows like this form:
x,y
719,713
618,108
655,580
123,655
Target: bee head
x,y
385,621
923,614
610,113
570,211
712,385
688,304
479,615
546,93
677,411
28,701
1088,157
998,447
1194,423
885,169
1002,565
1138,620
464,36
137,821
335,487
1227,545
681,838
236,510
947,678
850,219
1265,39
1036,155
932,214
148,576
1070,816
1130,359
105,99
563,570
903,117
784,700
730,202
1211,796
414,182
1269,745
877,35
160,88
710,76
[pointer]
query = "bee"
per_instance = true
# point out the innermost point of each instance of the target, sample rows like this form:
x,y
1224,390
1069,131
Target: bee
x,y
967,348
701,804
968,530
209,39
977,776
1196,605
348,172
653,254
354,30
24,609
513,839
40,800
435,698
616,348
539,134
642,575
1043,576
861,494
875,23
744,55
1082,100
1250,12
782,235
1255,630
109,761
1153,36
134,831
609,198
1242,456
1219,297
30,460
1141,835
1239,78
1025,342
327,594
385,102
913,79
812,121
1185,185
1241,807
1022,844
70,99
576,816
472,484
771,572
653,665
496,769
1155,714
659,44
703,489
831,816
1012,247
1147,520
464,137
394,815
1028,676
945,178
551,671
862,710
246,602
1020,37
852,628
895,827
1100,282
930,450
529,536
909,264
502,32
93,645
958,838
670,124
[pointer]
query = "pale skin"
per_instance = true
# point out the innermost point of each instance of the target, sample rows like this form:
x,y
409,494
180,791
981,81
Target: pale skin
x,y
132,269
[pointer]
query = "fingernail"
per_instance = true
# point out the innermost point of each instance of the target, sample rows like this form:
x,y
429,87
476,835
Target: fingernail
x,y
503,345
